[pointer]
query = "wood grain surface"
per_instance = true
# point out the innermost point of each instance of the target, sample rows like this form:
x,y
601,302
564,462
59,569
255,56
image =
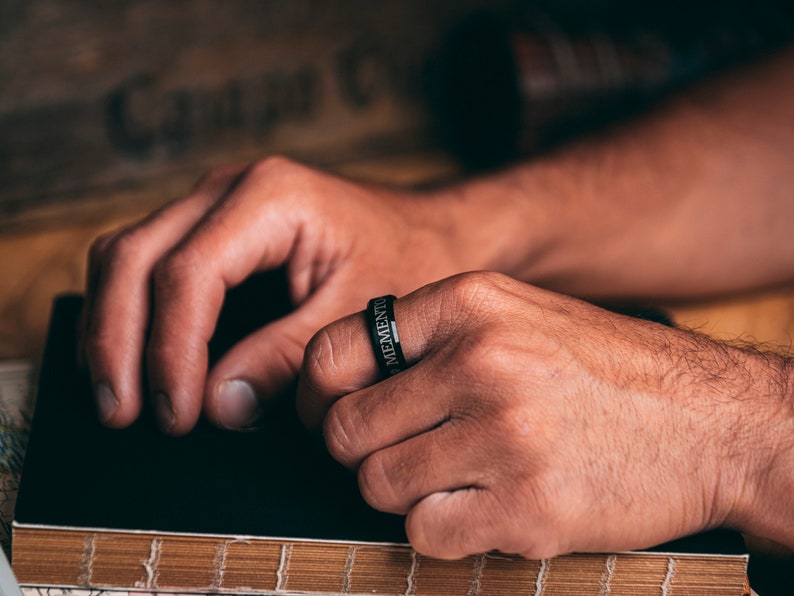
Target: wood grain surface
x,y
100,96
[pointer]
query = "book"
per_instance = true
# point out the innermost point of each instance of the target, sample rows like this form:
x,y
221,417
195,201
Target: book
x,y
266,511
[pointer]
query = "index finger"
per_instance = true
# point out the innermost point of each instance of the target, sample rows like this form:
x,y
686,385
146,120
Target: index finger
x,y
248,232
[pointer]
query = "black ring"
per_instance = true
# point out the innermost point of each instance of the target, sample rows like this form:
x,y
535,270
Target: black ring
x,y
384,336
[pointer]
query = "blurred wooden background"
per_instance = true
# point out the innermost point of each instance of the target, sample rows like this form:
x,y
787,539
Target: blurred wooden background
x,y
110,108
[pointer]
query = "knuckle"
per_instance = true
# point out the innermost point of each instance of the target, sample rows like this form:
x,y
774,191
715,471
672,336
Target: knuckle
x,y
306,188
547,531
274,165
479,521
177,268
381,489
342,429
433,531
100,244
121,249
540,547
544,514
470,299
319,361
475,288
125,245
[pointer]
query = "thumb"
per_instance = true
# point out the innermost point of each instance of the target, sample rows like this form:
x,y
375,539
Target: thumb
x,y
262,365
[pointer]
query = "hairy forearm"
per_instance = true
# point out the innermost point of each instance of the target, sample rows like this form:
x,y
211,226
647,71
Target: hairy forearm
x,y
694,198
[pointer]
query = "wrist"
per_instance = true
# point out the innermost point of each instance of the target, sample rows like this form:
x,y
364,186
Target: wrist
x,y
764,501
505,222
553,221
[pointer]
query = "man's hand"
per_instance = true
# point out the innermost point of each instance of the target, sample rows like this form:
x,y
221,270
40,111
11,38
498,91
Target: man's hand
x,y
155,288
537,424
657,208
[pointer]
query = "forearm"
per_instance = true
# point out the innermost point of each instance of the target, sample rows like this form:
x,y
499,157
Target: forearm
x,y
693,198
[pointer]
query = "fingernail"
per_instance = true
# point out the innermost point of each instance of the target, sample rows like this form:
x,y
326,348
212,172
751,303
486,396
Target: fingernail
x,y
106,402
163,411
238,407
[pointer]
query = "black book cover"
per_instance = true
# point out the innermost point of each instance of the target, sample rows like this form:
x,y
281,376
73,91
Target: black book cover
x,y
277,481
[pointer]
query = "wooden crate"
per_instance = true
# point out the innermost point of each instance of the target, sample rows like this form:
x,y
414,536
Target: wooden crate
x,y
130,101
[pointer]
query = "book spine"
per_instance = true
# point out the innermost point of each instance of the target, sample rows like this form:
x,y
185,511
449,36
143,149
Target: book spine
x,y
231,565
